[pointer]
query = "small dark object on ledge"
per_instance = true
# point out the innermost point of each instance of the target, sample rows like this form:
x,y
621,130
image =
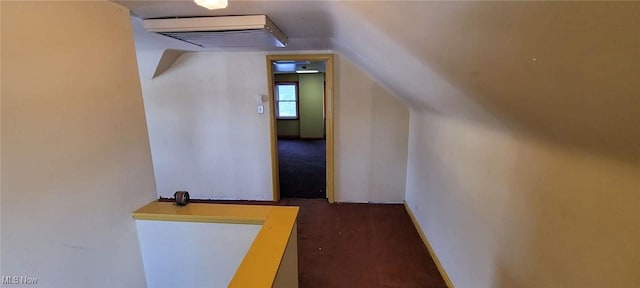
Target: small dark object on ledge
x,y
182,198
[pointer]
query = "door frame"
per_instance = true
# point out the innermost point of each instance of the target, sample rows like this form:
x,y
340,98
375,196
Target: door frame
x,y
329,96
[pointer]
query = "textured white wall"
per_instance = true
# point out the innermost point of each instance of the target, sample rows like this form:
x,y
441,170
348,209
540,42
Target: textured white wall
x,y
75,151
207,138
504,210
189,254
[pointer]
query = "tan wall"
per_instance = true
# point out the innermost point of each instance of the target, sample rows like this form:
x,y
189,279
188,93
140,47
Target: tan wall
x,y
207,138
504,210
310,123
312,106
288,128
291,127
286,77
75,152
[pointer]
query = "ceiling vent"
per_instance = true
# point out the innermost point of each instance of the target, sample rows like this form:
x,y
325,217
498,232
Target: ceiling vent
x,y
222,31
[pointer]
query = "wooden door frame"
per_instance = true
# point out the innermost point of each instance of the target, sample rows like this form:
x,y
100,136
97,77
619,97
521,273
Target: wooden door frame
x,y
329,76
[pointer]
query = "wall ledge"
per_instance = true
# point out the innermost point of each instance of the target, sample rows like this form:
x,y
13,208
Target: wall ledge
x,y
260,265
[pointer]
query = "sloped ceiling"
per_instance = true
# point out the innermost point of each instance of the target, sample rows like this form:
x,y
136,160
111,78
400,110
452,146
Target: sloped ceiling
x,y
566,72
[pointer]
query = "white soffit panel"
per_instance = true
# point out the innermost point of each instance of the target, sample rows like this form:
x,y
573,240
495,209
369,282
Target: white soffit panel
x,y
222,31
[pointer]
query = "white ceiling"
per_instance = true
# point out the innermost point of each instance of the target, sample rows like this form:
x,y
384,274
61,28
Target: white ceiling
x,y
565,71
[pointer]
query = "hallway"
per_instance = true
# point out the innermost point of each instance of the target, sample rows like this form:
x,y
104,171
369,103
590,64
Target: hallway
x,y
358,245
302,168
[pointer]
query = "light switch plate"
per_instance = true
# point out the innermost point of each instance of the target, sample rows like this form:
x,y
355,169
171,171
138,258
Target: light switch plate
x,y
260,109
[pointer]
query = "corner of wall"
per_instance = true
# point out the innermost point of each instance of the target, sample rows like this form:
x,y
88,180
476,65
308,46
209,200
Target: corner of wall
x,y
432,252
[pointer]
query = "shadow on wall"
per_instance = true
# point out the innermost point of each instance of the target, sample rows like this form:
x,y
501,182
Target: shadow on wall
x,y
564,72
584,228
571,222
509,211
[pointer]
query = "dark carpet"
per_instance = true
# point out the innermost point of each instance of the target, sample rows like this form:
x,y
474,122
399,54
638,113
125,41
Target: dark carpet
x,y
302,165
358,245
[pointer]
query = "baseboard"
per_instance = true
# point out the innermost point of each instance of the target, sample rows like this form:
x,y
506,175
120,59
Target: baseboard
x,y
446,278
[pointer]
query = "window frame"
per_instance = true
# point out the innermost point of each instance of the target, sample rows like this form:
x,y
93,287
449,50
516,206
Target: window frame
x,y
277,101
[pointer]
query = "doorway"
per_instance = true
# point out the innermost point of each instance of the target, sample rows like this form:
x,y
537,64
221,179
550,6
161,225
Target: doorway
x,y
301,97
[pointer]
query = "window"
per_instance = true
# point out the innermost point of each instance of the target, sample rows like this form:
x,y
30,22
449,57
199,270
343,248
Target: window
x,y
286,100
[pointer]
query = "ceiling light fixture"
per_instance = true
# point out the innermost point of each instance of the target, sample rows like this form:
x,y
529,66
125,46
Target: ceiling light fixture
x,y
306,71
220,31
212,4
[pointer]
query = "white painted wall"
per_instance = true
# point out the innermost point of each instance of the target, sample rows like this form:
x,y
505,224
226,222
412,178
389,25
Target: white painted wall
x,y
75,153
207,138
504,210
189,254
371,132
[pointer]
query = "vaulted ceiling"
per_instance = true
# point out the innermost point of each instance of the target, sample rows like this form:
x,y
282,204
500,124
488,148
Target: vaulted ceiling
x,y
567,72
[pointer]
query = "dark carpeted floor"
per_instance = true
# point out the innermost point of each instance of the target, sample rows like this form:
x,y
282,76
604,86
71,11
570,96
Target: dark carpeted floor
x,y
358,245
302,166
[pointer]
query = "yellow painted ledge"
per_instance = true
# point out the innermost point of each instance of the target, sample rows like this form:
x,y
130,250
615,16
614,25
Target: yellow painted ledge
x,y
260,265
444,274
202,212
